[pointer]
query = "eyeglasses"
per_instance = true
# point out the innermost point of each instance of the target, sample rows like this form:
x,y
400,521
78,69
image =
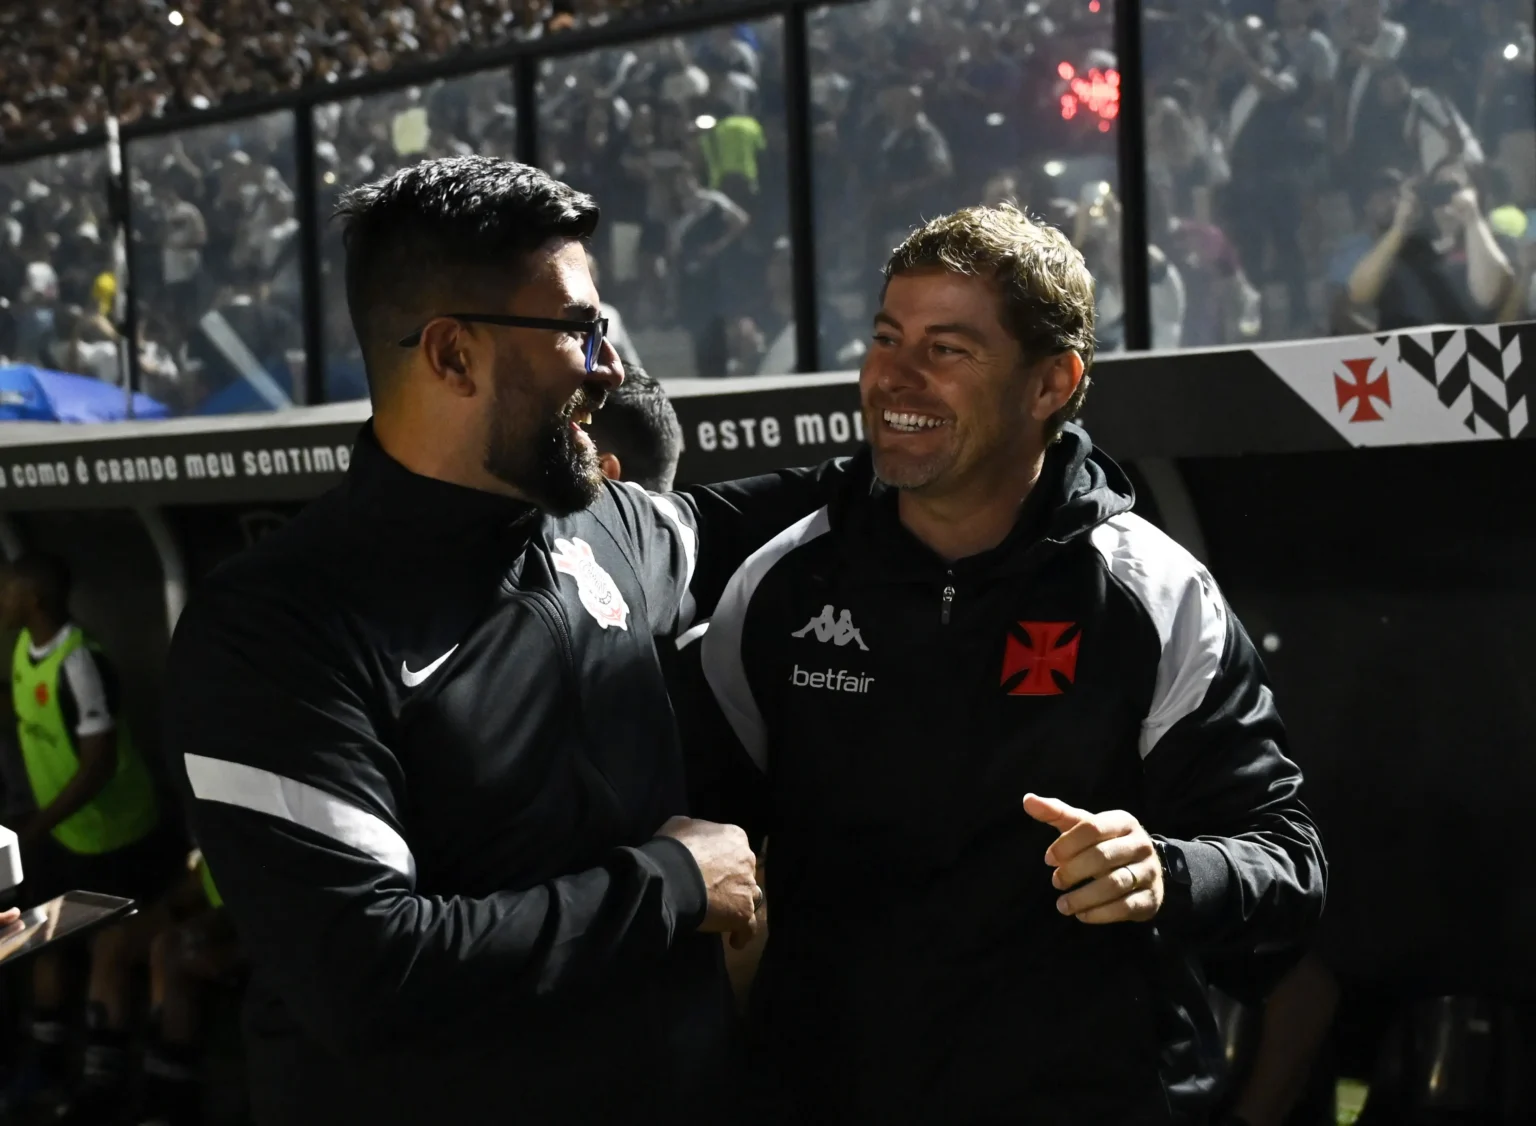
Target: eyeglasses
x,y
596,330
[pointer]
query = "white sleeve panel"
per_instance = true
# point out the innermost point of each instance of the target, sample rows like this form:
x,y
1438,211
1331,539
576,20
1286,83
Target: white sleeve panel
x,y
723,657
1185,607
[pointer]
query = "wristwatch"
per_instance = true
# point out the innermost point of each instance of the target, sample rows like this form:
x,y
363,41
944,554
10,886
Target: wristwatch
x,y
1176,881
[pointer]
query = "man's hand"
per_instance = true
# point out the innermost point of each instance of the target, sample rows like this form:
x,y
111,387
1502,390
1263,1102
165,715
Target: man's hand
x,y
730,875
1109,850
9,917
1407,213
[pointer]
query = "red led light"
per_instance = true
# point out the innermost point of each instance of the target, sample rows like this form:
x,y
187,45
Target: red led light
x,y
1098,92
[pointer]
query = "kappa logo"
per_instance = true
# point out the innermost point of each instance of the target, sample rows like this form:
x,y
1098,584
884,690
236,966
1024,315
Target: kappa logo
x,y
599,594
839,629
1036,662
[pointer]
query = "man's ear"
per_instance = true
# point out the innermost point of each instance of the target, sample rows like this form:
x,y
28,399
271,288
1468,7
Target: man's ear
x,y
1059,378
446,345
610,467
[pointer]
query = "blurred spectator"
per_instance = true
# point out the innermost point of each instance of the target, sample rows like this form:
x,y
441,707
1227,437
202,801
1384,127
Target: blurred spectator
x,y
216,275
913,168
1432,259
706,226
1291,147
922,108
96,825
682,142
1268,83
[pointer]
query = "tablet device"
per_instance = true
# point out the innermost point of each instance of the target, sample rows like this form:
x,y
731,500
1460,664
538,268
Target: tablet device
x,y
71,915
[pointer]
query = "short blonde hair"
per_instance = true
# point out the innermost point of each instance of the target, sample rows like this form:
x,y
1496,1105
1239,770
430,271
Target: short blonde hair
x,y
1046,289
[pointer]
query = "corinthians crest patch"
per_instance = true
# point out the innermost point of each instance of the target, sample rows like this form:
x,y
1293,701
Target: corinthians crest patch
x,y
599,593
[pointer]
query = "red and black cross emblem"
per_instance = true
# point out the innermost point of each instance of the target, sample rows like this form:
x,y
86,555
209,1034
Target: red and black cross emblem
x,y
1040,658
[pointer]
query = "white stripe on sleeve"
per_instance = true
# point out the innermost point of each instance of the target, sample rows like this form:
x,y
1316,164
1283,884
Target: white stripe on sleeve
x,y
692,634
300,804
724,667
93,713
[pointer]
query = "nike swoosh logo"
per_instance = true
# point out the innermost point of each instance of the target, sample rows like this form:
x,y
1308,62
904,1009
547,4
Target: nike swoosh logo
x,y
412,679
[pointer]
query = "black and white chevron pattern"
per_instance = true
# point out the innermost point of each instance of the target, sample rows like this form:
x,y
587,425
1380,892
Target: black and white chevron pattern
x,y
1483,374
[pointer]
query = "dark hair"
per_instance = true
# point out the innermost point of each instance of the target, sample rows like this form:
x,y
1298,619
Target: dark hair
x,y
48,576
1047,291
445,236
639,427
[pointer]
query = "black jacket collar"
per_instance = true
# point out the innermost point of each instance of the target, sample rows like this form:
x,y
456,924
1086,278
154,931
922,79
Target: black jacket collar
x,y
1079,488
385,494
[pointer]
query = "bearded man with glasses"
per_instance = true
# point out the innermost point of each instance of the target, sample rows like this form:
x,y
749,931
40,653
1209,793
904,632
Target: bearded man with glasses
x,y
423,732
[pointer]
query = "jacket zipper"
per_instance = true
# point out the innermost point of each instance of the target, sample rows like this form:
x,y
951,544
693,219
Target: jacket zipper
x,y
949,597
549,609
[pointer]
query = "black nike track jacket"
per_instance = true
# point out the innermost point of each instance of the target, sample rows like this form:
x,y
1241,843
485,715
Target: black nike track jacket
x,y
899,709
426,747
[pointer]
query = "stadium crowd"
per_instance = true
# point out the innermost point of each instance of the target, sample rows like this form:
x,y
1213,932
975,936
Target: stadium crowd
x,y
1326,166
1314,166
65,66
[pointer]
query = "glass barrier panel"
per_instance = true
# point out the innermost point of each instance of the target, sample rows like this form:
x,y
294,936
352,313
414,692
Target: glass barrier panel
x,y
682,142
218,290
1341,166
367,138
56,281
922,109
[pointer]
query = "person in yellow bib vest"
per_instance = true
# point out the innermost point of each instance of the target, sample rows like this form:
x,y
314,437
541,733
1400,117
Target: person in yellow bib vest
x,y
96,826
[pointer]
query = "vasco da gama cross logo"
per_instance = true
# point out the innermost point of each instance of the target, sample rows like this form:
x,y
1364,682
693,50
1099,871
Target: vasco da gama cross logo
x,y
1361,390
1039,659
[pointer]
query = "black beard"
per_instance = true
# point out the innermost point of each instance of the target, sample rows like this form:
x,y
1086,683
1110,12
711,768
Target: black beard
x,y
549,466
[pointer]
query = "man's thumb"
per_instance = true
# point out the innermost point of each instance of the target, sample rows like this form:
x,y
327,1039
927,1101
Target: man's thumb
x,y
1057,814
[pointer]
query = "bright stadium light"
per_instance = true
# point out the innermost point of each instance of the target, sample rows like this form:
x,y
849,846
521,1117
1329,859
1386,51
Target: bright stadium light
x,y
1054,168
1511,51
175,18
705,121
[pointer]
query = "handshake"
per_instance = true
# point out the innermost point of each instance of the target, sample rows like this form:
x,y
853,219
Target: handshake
x,y
729,868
